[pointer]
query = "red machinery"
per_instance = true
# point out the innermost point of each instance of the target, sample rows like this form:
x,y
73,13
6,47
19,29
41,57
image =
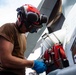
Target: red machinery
x,y
55,57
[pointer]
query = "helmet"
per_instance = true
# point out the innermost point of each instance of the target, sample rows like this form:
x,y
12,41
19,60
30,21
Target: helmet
x,y
30,15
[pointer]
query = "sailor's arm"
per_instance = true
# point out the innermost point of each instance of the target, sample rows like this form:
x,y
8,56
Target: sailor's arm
x,y
8,60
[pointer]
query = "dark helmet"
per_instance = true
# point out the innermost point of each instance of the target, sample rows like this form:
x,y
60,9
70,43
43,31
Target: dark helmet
x,y
30,15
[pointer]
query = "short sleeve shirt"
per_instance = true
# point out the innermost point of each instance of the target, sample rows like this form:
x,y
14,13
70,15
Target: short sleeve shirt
x,y
10,33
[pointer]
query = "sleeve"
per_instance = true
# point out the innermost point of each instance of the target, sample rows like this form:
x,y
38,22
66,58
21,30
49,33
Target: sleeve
x,y
8,32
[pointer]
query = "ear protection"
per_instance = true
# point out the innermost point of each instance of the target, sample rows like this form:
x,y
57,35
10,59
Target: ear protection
x,y
32,17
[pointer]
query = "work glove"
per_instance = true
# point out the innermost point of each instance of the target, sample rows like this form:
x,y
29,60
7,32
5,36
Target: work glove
x,y
39,66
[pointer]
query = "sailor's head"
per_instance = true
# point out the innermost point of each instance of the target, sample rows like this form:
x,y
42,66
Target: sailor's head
x,y
30,18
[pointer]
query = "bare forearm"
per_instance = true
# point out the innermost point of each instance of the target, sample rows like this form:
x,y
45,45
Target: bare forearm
x,y
14,62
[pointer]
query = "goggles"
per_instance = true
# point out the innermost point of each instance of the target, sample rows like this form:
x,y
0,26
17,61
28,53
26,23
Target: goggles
x,y
33,27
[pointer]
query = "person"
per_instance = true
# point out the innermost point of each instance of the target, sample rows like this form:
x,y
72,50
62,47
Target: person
x,y
13,42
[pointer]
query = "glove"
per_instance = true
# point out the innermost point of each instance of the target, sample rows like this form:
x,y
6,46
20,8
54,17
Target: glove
x,y
39,66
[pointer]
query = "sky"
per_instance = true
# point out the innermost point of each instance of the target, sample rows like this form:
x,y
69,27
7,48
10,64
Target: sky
x,y
8,9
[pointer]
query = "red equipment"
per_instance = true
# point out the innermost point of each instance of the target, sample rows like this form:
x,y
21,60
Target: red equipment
x,y
55,58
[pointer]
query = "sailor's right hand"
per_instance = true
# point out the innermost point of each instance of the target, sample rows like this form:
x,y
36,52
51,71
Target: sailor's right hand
x,y
39,66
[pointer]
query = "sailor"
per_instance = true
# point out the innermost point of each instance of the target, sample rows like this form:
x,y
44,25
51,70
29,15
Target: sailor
x,y
13,42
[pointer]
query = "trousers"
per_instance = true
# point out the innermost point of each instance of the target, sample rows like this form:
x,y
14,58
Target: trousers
x,y
6,73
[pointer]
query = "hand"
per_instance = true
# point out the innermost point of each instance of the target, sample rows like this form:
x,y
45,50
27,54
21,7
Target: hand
x,y
39,66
